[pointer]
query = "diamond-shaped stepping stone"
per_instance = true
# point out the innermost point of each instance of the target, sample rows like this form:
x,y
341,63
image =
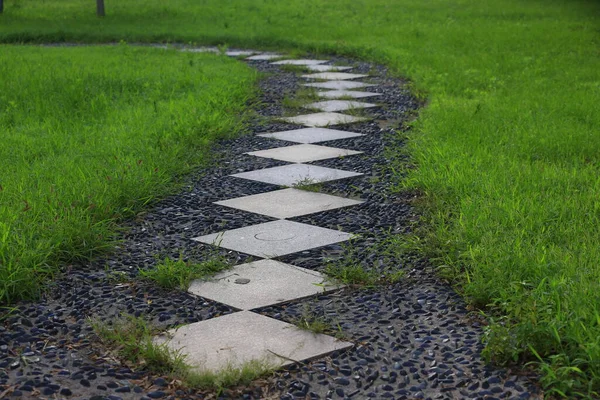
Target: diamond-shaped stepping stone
x,y
288,203
311,135
299,62
201,50
334,76
339,94
303,153
324,119
235,339
264,57
266,282
338,105
238,53
338,85
274,239
296,174
326,68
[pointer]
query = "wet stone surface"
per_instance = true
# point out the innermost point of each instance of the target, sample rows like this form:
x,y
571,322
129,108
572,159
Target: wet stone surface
x,y
413,339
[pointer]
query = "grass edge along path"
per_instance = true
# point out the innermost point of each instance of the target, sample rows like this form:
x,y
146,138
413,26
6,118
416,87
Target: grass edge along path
x,y
506,149
91,136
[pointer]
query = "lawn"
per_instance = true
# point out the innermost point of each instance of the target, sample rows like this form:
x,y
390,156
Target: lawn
x,y
507,148
90,135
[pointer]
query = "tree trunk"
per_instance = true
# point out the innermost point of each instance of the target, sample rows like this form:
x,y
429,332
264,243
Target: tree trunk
x,y
99,7
1,6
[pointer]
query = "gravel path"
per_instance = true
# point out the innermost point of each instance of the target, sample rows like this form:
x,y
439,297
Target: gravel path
x,y
413,339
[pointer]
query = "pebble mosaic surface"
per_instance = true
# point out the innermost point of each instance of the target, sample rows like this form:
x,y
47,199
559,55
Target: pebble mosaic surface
x,y
413,339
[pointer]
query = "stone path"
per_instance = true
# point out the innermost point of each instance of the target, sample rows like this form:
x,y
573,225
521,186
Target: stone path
x,y
238,338
412,339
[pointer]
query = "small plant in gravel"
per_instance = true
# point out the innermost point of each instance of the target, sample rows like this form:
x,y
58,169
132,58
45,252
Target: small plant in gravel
x,y
308,184
132,339
229,376
351,269
172,274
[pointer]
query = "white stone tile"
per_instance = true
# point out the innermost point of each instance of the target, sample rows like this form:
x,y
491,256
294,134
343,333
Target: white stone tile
x,y
303,153
238,53
275,238
339,94
235,339
323,119
264,57
299,62
200,49
262,283
338,105
334,76
338,85
288,203
311,135
296,174
327,68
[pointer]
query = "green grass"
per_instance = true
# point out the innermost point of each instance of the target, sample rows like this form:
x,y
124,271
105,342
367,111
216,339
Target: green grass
x,y
506,149
91,135
179,274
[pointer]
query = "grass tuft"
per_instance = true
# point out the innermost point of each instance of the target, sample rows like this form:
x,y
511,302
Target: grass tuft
x,y
179,274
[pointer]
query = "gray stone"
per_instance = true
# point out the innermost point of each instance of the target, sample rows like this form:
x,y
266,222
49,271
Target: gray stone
x,y
323,119
267,282
326,68
238,53
299,62
275,238
296,174
303,153
333,76
288,203
339,94
201,50
311,135
338,85
263,57
232,340
339,105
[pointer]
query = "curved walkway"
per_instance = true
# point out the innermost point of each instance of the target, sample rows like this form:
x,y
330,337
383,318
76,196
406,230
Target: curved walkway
x,y
408,338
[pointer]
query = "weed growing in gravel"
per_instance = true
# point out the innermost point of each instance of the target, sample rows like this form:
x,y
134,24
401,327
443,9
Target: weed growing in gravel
x,y
295,103
179,274
377,264
228,376
308,184
133,340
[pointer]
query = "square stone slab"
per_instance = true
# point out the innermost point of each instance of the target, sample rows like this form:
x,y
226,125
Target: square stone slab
x,y
299,62
333,76
275,238
235,339
338,105
288,203
296,174
338,85
263,57
338,94
238,53
311,135
201,50
262,283
303,153
324,119
326,68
